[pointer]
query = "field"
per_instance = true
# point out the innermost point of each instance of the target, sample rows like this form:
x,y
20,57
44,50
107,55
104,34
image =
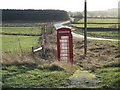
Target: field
x,y
91,20
15,44
21,30
42,70
100,33
98,25
101,61
105,34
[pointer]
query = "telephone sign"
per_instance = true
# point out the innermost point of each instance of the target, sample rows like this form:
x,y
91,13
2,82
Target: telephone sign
x,y
64,44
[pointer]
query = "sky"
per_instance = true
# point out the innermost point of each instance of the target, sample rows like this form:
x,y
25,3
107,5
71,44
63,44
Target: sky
x,y
67,5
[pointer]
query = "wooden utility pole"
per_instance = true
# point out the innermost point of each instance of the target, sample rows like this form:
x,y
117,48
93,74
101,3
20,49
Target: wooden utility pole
x,y
85,30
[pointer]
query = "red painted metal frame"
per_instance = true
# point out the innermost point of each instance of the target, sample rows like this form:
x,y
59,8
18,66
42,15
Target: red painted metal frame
x,y
70,42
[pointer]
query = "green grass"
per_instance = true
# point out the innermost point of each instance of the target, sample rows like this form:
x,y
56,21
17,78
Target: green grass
x,y
109,76
105,34
92,20
13,43
97,25
21,30
52,76
34,76
106,42
100,34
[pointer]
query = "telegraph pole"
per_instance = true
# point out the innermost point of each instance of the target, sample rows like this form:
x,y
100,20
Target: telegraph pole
x,y
85,28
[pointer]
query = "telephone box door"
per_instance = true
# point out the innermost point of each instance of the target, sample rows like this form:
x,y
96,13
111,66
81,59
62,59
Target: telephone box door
x,y
64,45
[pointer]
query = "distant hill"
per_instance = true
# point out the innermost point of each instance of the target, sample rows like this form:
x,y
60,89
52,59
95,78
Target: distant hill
x,y
104,13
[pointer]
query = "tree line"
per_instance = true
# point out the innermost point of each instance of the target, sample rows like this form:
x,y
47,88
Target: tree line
x,y
34,15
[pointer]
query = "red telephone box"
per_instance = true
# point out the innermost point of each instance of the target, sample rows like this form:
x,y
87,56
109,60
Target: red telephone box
x,y
64,44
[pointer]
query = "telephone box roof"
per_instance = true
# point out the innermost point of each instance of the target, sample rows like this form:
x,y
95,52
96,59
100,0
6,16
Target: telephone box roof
x,y
65,27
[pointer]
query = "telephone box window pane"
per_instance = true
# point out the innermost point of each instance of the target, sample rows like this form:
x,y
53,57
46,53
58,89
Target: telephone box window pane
x,y
64,51
64,47
64,58
64,44
66,40
63,40
63,54
64,37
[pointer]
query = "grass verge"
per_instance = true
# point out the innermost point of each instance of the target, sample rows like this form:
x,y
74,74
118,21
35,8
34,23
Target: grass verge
x,y
34,76
109,76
